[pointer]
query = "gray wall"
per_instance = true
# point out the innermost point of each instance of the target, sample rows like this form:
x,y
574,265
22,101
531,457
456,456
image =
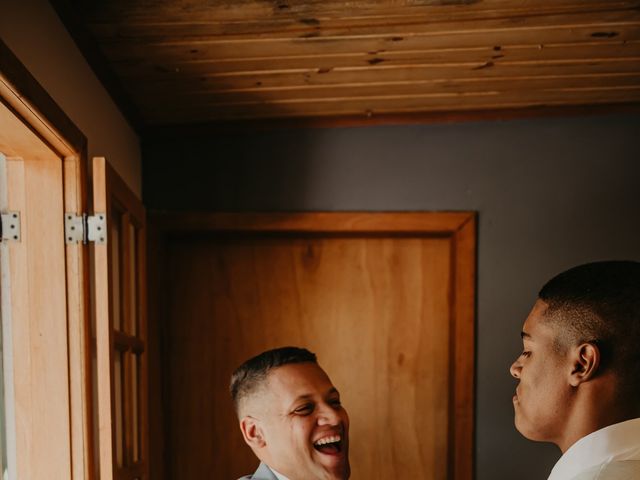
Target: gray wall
x,y
550,193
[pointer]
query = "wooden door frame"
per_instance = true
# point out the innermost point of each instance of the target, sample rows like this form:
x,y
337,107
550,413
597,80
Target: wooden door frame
x,y
460,227
30,102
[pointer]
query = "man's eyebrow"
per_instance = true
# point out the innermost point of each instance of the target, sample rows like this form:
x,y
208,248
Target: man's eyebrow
x,y
306,396
309,396
524,335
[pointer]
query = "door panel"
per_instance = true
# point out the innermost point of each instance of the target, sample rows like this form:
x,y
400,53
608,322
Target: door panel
x,y
378,309
35,278
120,328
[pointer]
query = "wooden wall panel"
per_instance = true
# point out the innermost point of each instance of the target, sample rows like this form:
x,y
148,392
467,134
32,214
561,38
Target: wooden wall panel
x,y
376,310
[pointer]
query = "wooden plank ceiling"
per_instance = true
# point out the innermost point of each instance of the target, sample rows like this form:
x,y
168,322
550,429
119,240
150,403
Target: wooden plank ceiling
x,y
216,60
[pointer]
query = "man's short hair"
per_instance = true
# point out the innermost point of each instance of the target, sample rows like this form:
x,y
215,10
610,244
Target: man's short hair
x,y
600,303
250,376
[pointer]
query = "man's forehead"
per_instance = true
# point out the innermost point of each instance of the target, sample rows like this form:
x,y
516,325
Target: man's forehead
x,y
300,379
534,319
538,328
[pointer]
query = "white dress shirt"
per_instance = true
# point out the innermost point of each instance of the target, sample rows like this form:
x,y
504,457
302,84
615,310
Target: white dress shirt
x,y
611,453
279,476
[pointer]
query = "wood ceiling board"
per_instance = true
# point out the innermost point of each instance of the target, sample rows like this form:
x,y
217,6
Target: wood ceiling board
x,y
233,59
304,12
209,23
390,77
602,21
149,71
204,50
427,86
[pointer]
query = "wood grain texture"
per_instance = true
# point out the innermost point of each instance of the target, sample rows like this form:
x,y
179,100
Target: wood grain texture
x,y
39,320
324,222
464,347
384,310
121,353
79,318
103,328
201,61
33,127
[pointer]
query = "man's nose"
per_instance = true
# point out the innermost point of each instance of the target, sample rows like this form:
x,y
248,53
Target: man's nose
x,y
515,369
327,415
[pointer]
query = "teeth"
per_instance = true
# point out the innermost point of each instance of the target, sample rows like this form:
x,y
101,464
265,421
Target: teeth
x,y
325,440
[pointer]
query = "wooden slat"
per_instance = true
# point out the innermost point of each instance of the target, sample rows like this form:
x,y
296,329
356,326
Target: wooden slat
x,y
79,333
14,266
104,337
209,22
534,32
464,348
402,84
157,67
327,222
314,13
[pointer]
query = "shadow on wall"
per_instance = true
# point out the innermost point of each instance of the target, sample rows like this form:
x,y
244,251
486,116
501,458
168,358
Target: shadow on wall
x,y
263,171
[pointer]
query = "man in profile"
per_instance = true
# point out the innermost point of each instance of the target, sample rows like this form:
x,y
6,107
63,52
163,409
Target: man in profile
x,y
291,416
579,372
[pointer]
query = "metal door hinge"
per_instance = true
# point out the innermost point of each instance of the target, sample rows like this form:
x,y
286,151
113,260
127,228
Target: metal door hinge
x,y
10,227
85,228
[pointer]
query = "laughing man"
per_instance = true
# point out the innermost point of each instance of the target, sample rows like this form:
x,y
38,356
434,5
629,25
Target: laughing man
x,y
291,416
579,372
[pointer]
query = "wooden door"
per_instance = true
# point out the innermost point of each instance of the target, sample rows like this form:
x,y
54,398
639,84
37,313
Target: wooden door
x,y
36,313
53,412
120,327
386,301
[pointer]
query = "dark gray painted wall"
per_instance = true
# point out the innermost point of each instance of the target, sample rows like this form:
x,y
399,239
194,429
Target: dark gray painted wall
x,y
550,193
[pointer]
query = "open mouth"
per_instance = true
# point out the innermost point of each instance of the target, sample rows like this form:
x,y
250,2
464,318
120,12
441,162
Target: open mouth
x,y
331,445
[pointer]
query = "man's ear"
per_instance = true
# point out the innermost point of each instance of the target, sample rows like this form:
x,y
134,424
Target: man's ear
x,y
252,432
586,361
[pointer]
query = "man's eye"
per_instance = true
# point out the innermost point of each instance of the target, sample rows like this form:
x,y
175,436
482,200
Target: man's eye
x,y
335,402
525,353
304,409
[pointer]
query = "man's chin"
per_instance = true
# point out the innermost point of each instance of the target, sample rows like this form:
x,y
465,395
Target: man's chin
x,y
336,466
525,429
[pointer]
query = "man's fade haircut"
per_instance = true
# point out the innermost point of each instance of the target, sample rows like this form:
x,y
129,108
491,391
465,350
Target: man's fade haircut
x,y
600,303
250,376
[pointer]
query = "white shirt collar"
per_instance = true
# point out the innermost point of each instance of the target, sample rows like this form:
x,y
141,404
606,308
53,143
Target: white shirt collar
x,y
279,476
614,442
